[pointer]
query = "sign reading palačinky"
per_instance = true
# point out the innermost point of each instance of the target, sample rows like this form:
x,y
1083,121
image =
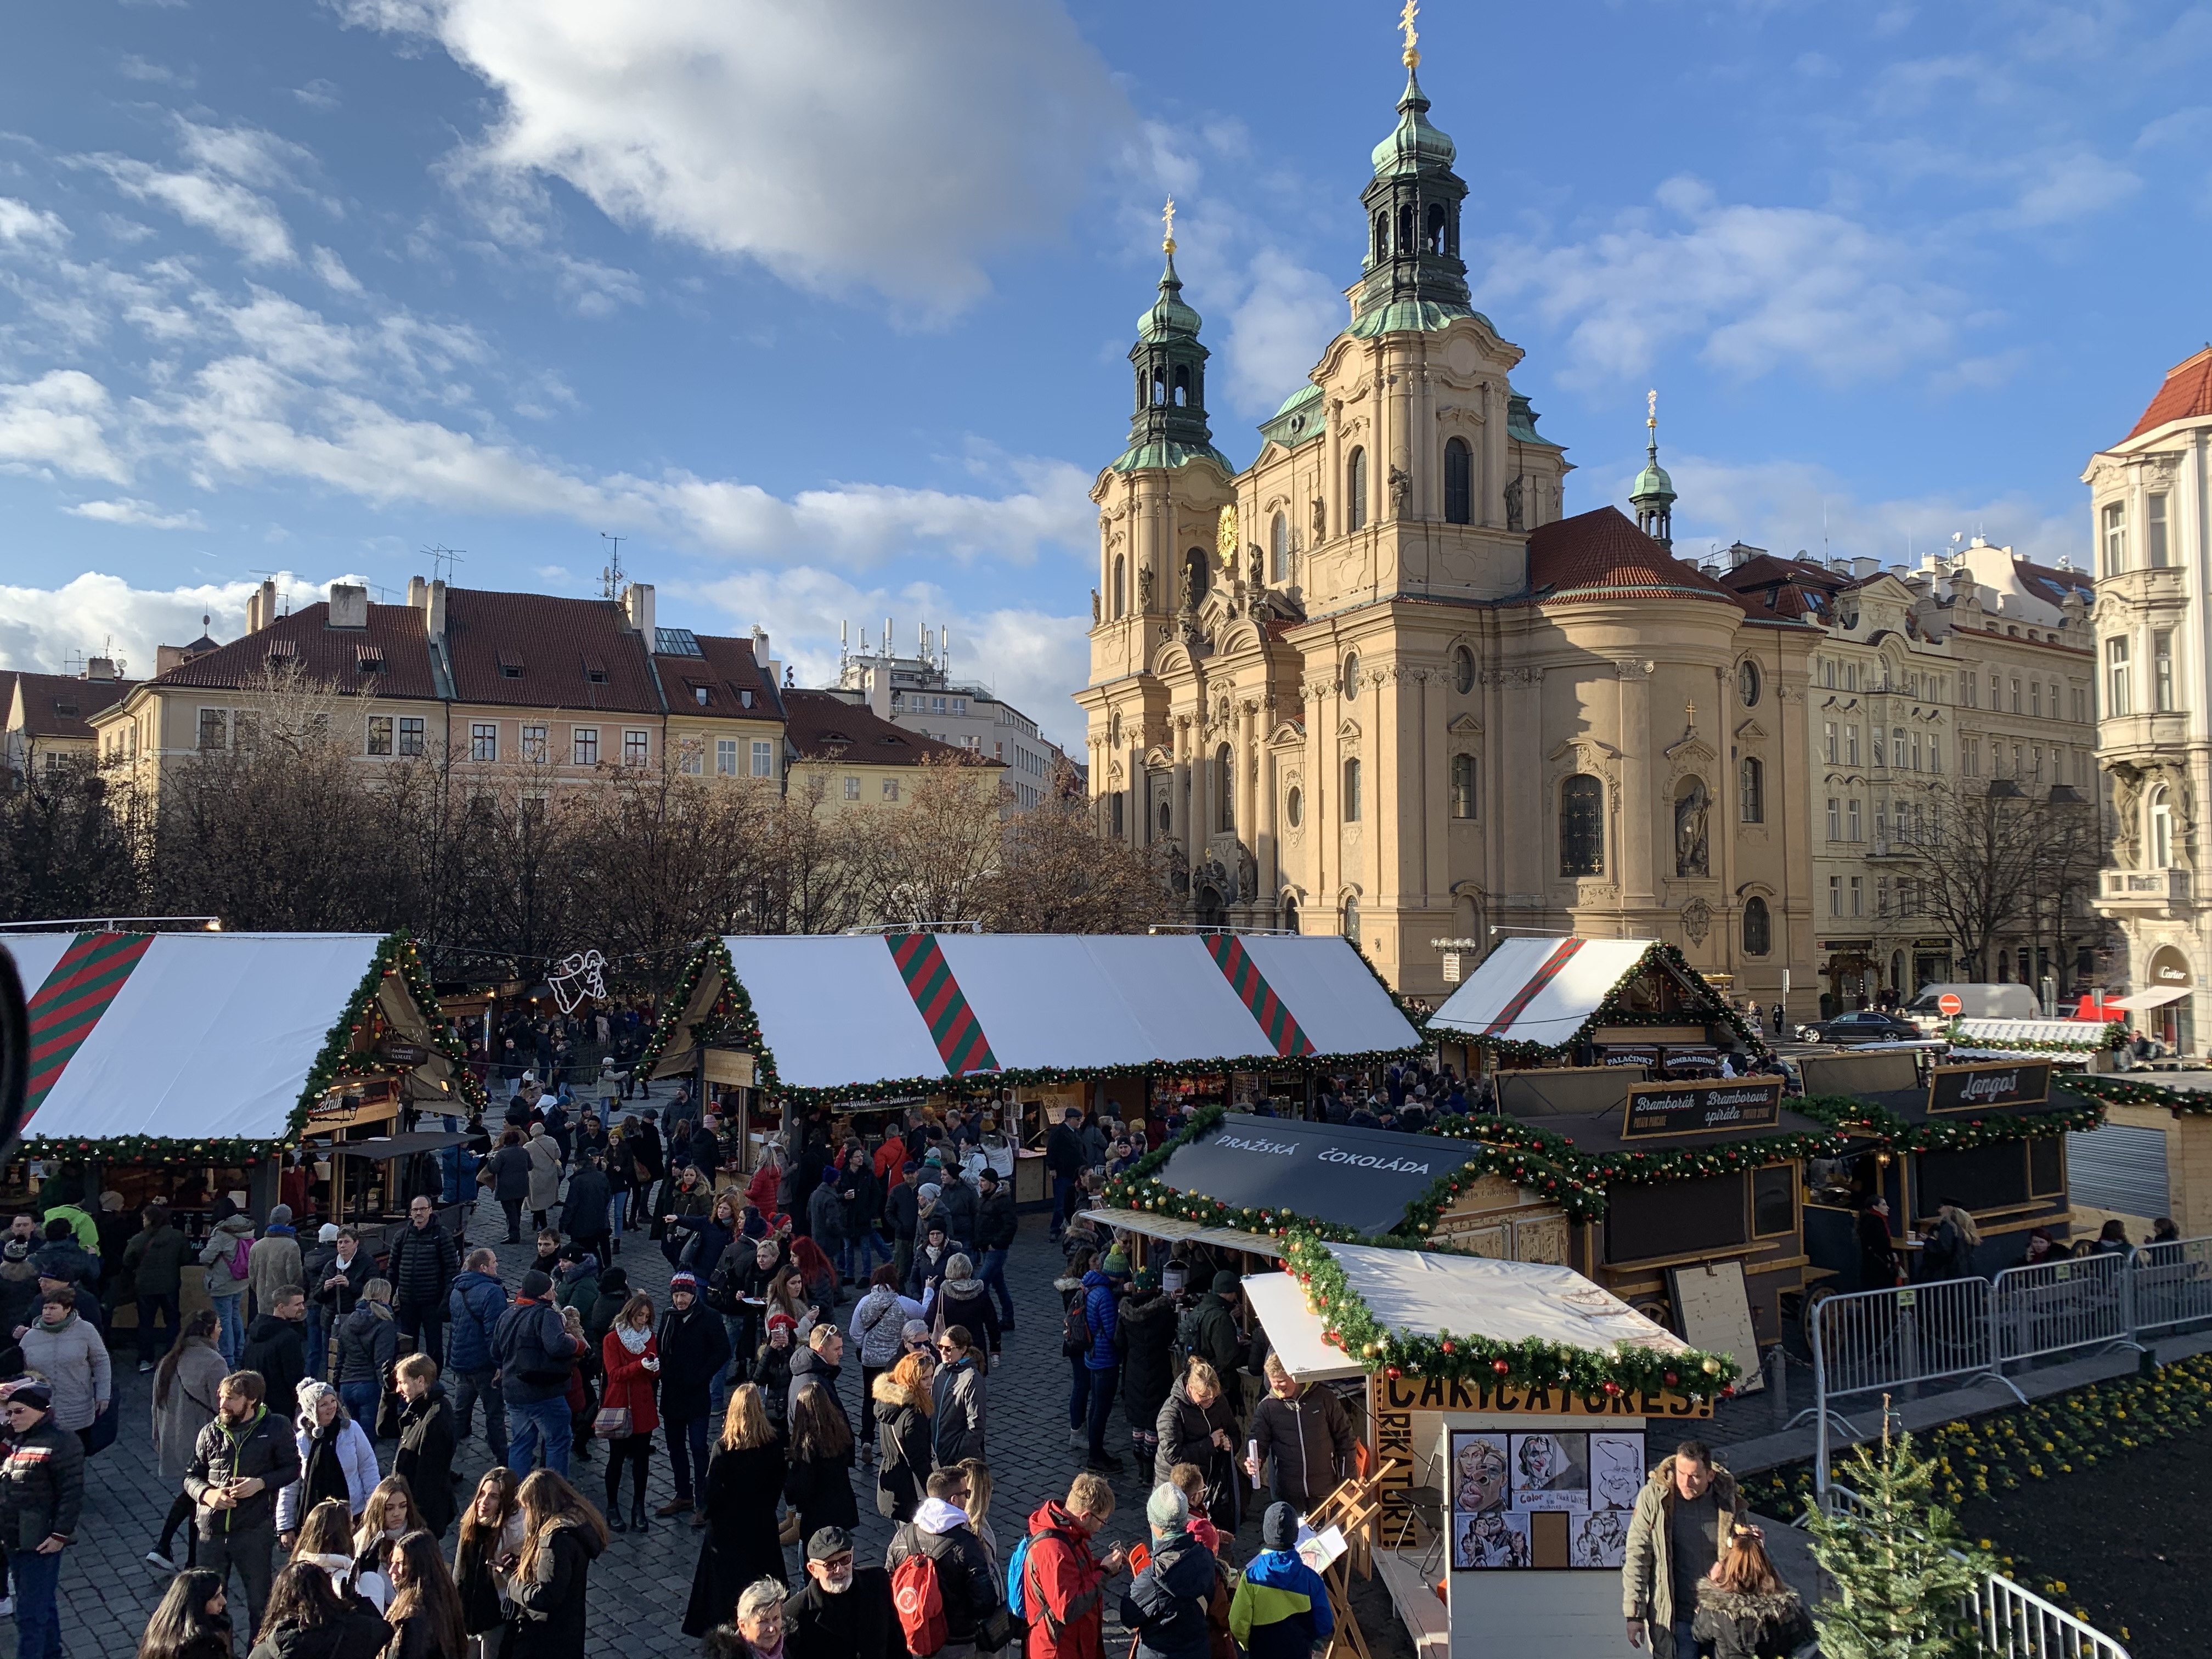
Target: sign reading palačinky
x,y
1726,1106
1979,1088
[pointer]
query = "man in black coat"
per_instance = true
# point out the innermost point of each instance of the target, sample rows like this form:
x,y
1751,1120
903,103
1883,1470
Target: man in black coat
x,y
240,1461
276,1346
420,1264
995,1227
1063,1156
694,1348
845,1612
584,1210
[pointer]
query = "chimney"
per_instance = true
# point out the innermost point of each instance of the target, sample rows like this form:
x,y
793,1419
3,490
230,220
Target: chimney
x,y
261,606
879,685
434,620
167,657
419,593
1864,570
349,606
637,609
99,668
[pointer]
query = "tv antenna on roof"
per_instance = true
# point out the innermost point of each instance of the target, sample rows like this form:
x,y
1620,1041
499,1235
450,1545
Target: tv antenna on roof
x,y
610,578
449,556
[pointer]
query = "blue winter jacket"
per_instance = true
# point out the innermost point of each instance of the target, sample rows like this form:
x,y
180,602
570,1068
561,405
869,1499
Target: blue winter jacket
x,y
1101,1312
472,1314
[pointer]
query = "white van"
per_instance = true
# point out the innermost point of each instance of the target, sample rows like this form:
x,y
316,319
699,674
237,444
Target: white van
x,y
1975,1002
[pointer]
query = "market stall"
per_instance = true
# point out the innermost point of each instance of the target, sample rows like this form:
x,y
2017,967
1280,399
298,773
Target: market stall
x,y
1512,1408
176,1065
1026,1024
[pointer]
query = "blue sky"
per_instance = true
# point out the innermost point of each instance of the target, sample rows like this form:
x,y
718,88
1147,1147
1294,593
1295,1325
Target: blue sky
x,y
823,305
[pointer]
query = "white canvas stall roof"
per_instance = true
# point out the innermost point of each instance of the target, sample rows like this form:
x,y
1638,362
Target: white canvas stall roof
x,y
1174,1229
1539,990
212,1035
1428,1293
836,1012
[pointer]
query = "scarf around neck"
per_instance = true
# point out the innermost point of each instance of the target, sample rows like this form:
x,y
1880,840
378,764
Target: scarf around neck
x,y
633,1339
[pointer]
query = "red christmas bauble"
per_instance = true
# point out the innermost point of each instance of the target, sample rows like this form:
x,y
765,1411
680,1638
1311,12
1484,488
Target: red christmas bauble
x,y
1500,1367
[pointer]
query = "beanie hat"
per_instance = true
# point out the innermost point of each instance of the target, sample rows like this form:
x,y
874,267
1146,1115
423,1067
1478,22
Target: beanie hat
x,y
536,1285
1226,1282
37,1396
1167,1510
1280,1531
615,1281
281,1216
1146,1280
329,1235
1116,1265
16,1249
684,1282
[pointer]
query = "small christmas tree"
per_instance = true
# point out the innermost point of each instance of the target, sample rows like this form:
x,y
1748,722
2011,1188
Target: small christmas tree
x,y
1902,1571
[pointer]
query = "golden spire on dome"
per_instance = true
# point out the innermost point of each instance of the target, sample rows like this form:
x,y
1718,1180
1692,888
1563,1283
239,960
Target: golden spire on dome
x,y
1412,53
1167,219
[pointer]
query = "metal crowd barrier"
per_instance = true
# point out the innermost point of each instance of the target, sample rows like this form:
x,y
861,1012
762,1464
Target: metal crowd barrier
x,y
1890,1340
2055,1306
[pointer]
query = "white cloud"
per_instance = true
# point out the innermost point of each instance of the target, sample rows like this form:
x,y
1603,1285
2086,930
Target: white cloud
x,y
1277,332
250,155
1756,287
228,210
1788,507
1032,659
129,509
871,144
135,68
332,269
40,627
59,420
317,94
22,225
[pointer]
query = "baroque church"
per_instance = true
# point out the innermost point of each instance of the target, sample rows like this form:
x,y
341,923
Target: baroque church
x,y
1376,684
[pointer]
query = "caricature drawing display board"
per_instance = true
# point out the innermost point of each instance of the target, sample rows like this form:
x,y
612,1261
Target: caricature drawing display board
x,y
1537,1511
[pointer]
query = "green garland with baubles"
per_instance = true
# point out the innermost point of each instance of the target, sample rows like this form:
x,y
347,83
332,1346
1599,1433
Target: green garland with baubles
x,y
2126,1091
2112,1035
1640,1168
1851,1115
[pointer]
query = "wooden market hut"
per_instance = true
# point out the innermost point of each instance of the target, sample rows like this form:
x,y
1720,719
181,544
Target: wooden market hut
x,y
1514,1491
183,1063
1034,1022
1602,1056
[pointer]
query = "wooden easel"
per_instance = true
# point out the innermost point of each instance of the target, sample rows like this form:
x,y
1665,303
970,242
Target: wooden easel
x,y
1353,1508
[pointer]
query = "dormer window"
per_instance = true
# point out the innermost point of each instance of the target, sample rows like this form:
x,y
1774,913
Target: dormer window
x,y
368,659
702,696
594,673
510,664
744,699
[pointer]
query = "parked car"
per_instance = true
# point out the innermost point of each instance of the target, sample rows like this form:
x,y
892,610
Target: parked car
x,y
1862,1025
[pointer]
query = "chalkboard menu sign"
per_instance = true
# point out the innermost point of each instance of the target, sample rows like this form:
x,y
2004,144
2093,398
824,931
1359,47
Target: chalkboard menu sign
x,y
1956,1089
1725,1106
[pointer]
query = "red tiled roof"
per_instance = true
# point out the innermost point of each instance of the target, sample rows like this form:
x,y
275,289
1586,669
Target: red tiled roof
x,y
727,671
1603,550
330,655
827,728
559,645
62,705
2053,586
2186,394
1769,586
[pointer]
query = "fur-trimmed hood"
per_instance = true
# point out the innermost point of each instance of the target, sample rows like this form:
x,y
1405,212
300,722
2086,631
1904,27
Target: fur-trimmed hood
x,y
1723,1486
889,1391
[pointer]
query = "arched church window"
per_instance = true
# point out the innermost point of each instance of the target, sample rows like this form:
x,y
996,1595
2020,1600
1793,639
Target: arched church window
x,y
1757,927
1159,387
1459,482
1279,545
1352,676
1290,915
1582,826
1432,241
1463,671
1121,584
1406,227
1355,491
1351,920
1352,791
1167,818
1224,773
1182,386
1195,565
1382,236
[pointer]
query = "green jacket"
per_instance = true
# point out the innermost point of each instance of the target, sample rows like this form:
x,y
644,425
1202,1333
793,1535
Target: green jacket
x,y
86,1229
1647,1578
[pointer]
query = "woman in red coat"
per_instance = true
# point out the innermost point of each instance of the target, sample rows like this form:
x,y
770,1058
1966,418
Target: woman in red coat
x,y
633,1366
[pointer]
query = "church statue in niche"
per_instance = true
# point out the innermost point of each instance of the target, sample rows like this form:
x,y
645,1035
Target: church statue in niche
x,y
1145,586
1691,857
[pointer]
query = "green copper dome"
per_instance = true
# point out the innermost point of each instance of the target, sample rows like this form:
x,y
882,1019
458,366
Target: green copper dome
x,y
1652,483
1169,319
1415,147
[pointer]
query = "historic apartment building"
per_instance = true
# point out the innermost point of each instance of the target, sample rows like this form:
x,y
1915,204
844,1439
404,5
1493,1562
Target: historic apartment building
x,y
46,719
545,692
2147,504
1929,685
1375,683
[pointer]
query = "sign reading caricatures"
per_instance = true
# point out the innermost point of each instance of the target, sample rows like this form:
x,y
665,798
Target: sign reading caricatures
x,y
1956,1089
1950,1004
1728,1106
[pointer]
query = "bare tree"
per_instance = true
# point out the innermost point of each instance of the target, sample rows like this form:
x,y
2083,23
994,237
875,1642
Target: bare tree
x,y
66,844
1058,875
1995,860
935,856
810,886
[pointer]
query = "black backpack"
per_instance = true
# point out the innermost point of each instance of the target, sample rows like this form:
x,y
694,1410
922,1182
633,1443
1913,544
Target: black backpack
x,y
1075,1328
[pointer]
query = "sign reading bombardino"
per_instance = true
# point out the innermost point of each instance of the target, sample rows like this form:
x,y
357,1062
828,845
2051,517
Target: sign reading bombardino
x,y
1729,1106
1956,1089
1362,1178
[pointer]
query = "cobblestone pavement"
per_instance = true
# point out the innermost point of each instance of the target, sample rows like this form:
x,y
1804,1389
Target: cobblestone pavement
x,y
639,1588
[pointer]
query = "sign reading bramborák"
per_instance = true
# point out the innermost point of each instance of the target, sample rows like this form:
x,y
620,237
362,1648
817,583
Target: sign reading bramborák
x,y
1724,1106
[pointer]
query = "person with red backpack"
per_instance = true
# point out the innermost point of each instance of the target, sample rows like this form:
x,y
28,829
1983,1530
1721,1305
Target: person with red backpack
x,y
1055,1584
942,1585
